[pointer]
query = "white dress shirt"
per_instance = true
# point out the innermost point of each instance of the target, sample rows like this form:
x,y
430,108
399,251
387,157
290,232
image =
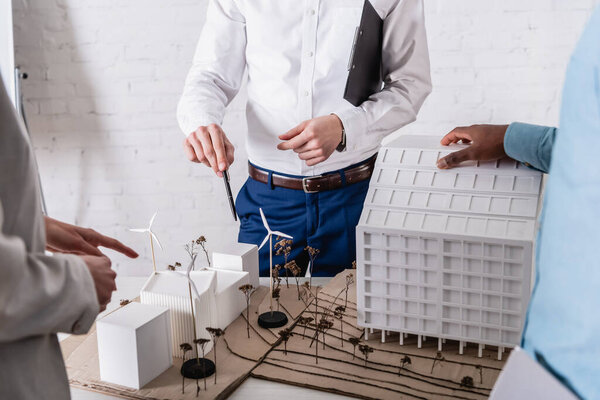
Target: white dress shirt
x,y
296,53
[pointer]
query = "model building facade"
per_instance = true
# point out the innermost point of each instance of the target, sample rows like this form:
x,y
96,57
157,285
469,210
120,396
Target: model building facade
x,y
218,303
446,253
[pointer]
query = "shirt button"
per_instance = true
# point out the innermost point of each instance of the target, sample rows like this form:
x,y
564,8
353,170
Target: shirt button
x,y
312,12
310,54
306,93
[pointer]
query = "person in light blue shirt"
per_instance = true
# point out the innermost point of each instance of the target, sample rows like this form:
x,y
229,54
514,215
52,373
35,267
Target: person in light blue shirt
x,y
562,329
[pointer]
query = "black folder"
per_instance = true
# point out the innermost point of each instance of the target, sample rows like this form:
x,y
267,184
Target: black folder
x,y
365,66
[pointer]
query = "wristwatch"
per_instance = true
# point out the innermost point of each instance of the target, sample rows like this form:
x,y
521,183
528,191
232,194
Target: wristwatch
x,y
342,146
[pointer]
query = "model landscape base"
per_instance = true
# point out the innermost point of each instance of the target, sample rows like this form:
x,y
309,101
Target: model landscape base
x,y
428,376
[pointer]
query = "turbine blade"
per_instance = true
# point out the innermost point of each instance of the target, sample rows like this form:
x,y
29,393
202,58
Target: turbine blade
x,y
264,241
189,277
277,233
264,220
152,220
139,230
156,238
189,269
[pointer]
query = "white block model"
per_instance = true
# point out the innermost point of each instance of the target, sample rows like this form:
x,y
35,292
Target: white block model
x,y
446,253
219,302
239,257
134,344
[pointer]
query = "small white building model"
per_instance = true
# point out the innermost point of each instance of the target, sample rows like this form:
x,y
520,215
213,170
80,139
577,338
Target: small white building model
x,y
446,253
134,344
238,257
219,302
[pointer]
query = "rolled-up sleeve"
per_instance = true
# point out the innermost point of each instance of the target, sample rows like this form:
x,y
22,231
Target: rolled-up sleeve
x,y
407,79
530,144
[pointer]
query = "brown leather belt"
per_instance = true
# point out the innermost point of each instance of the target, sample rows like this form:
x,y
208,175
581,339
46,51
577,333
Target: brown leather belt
x,y
319,183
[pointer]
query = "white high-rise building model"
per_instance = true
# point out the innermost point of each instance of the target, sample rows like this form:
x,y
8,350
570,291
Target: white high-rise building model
x,y
447,253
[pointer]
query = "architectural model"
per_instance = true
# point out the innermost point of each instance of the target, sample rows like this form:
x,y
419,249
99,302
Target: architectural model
x,y
446,253
238,257
134,344
217,303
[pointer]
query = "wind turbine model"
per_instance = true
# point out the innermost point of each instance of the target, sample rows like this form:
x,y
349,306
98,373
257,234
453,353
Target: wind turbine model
x,y
153,237
272,319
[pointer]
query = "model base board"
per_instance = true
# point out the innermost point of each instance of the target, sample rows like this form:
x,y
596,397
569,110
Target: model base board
x,y
429,375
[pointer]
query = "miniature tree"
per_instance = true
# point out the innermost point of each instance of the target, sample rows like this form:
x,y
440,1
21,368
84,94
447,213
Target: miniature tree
x,y
312,254
276,278
318,329
284,246
192,250
285,335
202,242
215,333
276,293
247,289
404,362
293,267
305,321
354,341
185,347
365,349
173,267
467,382
306,294
202,343
480,369
325,326
349,281
438,358
339,314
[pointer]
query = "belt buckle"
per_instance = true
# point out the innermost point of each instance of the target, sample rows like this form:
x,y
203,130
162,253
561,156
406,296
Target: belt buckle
x,y
305,184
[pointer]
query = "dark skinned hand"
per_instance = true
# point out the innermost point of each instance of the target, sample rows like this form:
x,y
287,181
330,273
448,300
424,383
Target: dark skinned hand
x,y
486,144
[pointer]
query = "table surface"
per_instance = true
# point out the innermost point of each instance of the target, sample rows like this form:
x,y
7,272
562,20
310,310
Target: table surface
x,y
252,388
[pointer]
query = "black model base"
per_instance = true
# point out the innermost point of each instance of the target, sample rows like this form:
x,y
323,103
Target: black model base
x,y
198,368
272,319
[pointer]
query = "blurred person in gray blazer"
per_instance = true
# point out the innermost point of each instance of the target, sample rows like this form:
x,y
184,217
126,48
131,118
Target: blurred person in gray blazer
x,y
41,294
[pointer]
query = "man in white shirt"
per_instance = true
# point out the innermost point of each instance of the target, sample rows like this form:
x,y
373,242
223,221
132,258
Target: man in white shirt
x,y
296,55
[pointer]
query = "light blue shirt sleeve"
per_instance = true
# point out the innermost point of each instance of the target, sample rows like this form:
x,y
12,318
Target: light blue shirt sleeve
x,y
530,144
563,324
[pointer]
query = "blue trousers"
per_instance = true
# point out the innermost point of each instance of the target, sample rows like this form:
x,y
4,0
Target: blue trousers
x,y
325,220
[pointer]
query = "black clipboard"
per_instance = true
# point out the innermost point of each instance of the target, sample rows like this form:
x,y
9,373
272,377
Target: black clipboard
x,y
365,75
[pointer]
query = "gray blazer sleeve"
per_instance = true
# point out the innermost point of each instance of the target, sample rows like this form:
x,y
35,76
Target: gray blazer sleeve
x,y
41,294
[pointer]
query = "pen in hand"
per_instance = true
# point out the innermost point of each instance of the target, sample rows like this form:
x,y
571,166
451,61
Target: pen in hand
x,y
229,194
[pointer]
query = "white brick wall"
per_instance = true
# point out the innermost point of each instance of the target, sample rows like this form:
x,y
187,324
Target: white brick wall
x,y
105,76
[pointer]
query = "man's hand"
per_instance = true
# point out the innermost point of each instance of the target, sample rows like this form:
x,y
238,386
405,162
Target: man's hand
x,y
487,144
66,238
314,140
104,278
209,146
